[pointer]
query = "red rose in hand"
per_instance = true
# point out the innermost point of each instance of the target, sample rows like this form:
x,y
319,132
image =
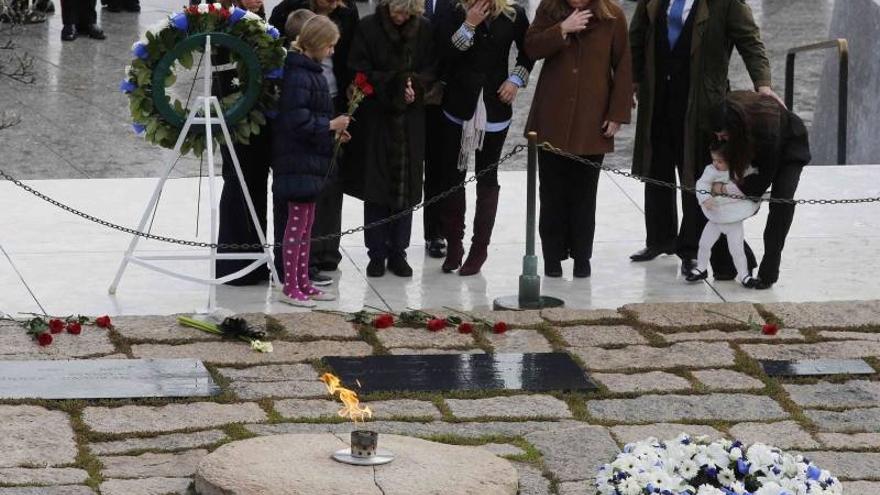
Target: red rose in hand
x,y
103,322
466,328
44,339
770,329
383,321
74,327
360,79
499,327
368,89
436,324
56,325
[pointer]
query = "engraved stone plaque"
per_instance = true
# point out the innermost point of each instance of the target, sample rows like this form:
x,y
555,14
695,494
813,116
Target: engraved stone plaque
x,y
105,379
817,367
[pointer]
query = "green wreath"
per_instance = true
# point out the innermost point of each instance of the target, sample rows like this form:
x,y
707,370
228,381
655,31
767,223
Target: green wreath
x,y
253,46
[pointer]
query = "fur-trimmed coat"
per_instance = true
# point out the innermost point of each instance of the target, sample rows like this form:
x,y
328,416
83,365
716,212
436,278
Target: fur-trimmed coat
x,y
384,160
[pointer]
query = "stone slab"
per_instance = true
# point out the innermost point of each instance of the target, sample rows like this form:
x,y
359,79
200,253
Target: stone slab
x,y
240,353
847,349
848,465
569,315
423,338
577,488
16,345
173,441
529,318
783,434
157,328
685,354
854,420
31,435
843,441
587,335
409,351
817,367
662,431
519,341
712,407
694,314
505,449
105,379
42,476
473,430
576,453
834,314
655,381
267,390
518,406
727,380
147,486
131,419
860,488
430,373
315,324
301,465
279,380
48,490
855,393
719,335
151,465
531,480
844,335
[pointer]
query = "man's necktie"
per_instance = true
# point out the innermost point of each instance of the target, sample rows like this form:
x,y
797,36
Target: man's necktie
x,y
429,8
675,22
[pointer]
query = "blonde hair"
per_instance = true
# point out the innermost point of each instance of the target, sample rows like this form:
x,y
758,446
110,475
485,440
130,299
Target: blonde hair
x,y
295,22
411,7
317,32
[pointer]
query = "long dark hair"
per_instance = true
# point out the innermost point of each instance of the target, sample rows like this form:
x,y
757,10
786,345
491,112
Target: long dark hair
x,y
745,116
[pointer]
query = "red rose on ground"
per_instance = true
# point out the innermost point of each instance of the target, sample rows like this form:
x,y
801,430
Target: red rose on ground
x,y
56,325
770,329
383,321
74,327
499,327
103,322
194,9
44,339
436,324
466,328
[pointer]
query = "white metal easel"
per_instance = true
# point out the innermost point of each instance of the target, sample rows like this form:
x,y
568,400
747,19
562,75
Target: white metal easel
x,y
209,105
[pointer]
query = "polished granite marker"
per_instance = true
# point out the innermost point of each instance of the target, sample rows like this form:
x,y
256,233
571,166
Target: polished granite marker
x,y
817,367
105,379
539,372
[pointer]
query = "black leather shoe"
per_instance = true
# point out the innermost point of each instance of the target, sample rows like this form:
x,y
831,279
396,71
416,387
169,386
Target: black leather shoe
x,y
376,268
317,279
687,266
582,269
553,268
723,276
762,285
436,248
68,33
93,31
649,253
398,266
132,7
327,266
696,275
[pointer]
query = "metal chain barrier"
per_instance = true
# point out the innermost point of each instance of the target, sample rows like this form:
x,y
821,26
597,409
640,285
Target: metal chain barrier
x,y
183,242
552,149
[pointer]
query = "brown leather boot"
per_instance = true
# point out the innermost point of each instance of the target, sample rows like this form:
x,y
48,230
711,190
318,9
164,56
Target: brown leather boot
x,y
453,229
484,221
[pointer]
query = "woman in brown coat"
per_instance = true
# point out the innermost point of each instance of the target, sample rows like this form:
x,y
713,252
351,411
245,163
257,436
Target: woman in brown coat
x,y
583,96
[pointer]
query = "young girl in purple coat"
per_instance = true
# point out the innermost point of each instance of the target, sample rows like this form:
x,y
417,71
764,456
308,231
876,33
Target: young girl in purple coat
x,y
302,149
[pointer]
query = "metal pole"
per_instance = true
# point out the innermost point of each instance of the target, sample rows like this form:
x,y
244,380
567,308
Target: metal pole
x,y
843,96
789,81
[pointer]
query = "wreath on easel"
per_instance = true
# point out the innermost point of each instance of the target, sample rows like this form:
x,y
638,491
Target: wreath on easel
x,y
254,48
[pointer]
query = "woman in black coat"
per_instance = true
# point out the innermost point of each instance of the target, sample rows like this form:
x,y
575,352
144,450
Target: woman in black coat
x,y
474,42
764,134
393,48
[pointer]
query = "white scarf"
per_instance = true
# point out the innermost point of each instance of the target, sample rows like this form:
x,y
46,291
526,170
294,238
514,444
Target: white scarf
x,y
472,133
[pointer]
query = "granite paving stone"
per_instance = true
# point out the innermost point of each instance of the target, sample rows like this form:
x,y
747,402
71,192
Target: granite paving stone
x,y
147,486
661,431
307,408
832,314
577,488
685,354
400,408
466,429
591,335
655,381
783,434
240,353
860,487
42,476
527,318
273,373
421,337
715,335
48,490
129,419
843,441
504,449
408,351
569,315
575,454
316,324
151,465
854,420
519,406
727,380
16,345
265,390
694,314
173,441
519,341
157,328
531,480
847,349
844,335
32,435
713,407
848,465
855,393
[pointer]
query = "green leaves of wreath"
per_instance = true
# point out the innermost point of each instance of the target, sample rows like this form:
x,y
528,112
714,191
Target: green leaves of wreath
x,y
253,46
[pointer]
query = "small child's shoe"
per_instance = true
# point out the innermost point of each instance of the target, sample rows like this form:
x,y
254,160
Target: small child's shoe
x,y
749,282
696,275
301,300
323,296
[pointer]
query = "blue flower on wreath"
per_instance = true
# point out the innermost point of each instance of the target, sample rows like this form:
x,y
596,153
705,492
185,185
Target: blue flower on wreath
x,y
180,22
236,15
138,128
271,31
276,73
127,86
140,51
813,473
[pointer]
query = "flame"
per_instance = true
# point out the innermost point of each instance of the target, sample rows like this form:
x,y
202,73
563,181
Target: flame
x,y
351,407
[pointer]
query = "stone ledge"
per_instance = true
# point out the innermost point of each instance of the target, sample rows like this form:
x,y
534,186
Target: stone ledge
x,y
131,419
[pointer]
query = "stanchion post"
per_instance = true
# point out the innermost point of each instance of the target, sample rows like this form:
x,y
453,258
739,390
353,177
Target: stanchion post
x,y
529,296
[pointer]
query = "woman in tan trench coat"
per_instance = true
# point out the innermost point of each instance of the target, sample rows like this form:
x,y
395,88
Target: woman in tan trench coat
x,y
583,96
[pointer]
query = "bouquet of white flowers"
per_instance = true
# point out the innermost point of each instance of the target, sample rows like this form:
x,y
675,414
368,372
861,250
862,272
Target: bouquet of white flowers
x,y
695,466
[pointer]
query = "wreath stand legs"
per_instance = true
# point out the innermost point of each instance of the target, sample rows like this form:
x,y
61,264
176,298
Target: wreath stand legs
x,y
212,115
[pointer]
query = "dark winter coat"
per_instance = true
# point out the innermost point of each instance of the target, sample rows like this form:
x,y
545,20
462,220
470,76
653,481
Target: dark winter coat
x,y
484,66
302,141
387,151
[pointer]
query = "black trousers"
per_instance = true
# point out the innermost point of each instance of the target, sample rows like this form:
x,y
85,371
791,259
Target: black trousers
x,y
567,220
387,240
450,144
80,13
236,225
433,184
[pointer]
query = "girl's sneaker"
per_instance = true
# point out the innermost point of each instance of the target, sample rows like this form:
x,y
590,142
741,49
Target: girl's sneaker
x,y
749,282
317,294
299,299
696,275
